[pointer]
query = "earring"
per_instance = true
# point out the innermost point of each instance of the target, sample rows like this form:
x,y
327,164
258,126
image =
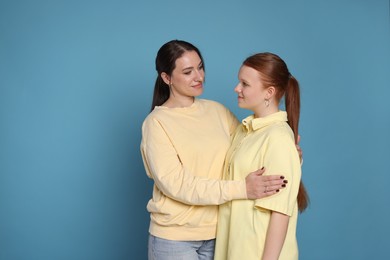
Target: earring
x,y
266,102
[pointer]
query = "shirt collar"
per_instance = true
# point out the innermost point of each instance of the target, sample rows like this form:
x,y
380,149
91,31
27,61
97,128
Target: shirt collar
x,y
252,123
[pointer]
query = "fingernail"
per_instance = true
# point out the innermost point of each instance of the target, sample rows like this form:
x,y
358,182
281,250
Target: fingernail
x,y
285,181
282,177
262,168
283,185
277,190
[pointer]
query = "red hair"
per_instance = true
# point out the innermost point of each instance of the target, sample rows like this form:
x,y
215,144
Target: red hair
x,y
274,72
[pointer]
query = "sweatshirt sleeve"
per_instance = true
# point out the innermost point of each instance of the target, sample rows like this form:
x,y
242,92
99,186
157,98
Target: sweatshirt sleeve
x,y
233,121
172,178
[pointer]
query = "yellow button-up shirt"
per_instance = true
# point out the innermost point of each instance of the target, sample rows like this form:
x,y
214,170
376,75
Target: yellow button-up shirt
x,y
243,224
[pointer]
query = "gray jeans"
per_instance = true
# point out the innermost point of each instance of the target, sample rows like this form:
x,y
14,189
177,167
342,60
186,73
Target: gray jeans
x,y
163,249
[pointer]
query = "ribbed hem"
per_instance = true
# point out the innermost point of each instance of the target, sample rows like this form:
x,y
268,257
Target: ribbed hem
x,y
237,190
183,233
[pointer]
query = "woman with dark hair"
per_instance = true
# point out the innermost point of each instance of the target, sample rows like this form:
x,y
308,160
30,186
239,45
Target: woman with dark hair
x,y
184,143
264,229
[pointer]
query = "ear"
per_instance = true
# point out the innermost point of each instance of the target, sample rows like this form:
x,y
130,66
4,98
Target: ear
x,y
271,91
166,78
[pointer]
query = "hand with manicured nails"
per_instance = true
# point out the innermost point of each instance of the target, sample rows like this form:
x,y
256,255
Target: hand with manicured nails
x,y
259,186
299,149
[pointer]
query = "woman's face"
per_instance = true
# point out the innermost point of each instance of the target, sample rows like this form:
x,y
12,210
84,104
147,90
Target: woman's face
x,y
250,89
187,78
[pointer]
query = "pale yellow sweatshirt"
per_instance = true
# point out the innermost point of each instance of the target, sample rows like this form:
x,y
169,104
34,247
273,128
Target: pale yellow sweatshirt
x,y
183,150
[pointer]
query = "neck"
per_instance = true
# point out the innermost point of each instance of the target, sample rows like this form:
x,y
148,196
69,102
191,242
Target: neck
x,y
173,102
266,111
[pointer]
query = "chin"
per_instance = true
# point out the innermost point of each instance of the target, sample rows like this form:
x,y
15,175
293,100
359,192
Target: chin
x,y
198,92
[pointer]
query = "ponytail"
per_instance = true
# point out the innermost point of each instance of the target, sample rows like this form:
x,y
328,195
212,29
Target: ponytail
x,y
293,107
160,94
274,72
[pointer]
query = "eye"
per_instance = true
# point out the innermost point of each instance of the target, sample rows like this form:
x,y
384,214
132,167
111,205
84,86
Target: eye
x,y
201,67
244,84
187,72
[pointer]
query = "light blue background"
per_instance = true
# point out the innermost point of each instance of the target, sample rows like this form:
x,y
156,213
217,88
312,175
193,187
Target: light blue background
x,y
76,80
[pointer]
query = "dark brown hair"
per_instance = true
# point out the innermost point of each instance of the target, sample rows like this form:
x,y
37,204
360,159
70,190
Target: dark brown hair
x,y
166,62
274,72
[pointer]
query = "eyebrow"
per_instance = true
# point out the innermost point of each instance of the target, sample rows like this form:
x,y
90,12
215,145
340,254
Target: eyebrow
x,y
244,80
190,68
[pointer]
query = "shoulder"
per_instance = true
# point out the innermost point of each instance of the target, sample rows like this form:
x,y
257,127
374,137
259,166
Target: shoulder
x,y
153,117
280,132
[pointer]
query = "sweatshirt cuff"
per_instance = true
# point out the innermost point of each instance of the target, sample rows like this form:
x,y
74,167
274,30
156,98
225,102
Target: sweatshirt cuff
x,y
237,190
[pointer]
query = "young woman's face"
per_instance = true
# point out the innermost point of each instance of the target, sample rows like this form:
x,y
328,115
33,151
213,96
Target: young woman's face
x,y
187,78
250,89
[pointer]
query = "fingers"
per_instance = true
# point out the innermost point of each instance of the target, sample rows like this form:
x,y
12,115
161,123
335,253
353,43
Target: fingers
x,y
274,188
299,152
279,183
299,148
259,186
273,185
259,171
270,192
279,178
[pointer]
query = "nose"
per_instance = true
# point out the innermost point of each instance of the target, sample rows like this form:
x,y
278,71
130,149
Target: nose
x,y
237,89
200,75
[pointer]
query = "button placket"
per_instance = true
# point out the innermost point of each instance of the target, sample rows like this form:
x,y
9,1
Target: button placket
x,y
234,152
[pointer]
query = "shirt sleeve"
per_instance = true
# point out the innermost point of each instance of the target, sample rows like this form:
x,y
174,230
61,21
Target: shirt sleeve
x,y
172,178
233,121
281,157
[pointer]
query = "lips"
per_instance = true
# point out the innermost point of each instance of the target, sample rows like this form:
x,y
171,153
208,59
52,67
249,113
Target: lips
x,y
198,86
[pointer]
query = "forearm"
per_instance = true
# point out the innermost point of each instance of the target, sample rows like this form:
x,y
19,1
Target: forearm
x,y
189,189
176,177
276,234
178,183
